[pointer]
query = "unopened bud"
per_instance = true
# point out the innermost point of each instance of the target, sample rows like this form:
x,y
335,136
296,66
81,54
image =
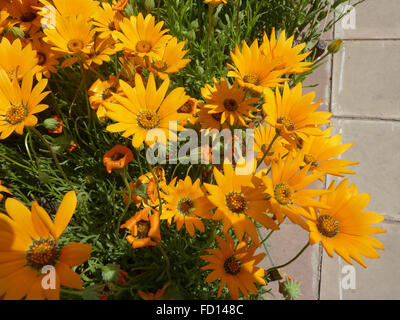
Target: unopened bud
x,y
335,46
149,5
290,289
17,32
50,123
191,35
111,273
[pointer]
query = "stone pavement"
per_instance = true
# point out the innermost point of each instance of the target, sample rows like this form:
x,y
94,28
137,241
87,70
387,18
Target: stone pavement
x,y
360,85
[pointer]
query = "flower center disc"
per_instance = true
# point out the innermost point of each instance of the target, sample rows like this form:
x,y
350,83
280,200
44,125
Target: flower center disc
x,y
287,123
15,114
41,58
216,116
236,202
283,193
327,226
185,206
75,45
232,266
41,253
143,46
159,65
112,26
231,104
251,78
187,107
143,228
309,159
28,16
148,119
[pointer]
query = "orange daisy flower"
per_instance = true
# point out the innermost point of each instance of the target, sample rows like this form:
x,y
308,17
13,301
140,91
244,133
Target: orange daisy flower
x,y
29,241
144,229
235,266
117,158
345,228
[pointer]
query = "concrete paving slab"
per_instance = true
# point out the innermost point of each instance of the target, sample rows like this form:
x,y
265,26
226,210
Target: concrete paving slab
x,y
376,145
379,281
365,79
372,19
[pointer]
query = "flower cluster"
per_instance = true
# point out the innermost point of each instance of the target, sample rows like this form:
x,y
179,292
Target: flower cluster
x,y
131,60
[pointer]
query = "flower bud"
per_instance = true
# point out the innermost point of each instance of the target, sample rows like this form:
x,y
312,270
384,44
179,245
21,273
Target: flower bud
x,y
191,35
149,5
17,32
110,273
290,289
50,123
335,46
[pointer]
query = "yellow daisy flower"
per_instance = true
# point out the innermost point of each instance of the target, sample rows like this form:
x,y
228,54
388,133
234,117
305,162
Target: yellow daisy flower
x,y
289,57
185,203
209,121
235,266
16,60
319,152
345,227
189,107
100,52
47,58
287,189
228,101
18,104
64,8
101,92
146,110
106,21
169,59
292,114
26,12
239,198
29,241
254,70
141,36
72,35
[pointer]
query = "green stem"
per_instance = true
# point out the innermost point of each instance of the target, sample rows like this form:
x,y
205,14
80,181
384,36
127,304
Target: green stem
x,y
237,15
268,149
37,132
89,110
128,187
266,238
138,161
166,261
176,167
15,162
212,235
290,261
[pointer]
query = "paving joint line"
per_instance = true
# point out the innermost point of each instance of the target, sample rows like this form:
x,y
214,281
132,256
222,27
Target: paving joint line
x,y
374,39
365,118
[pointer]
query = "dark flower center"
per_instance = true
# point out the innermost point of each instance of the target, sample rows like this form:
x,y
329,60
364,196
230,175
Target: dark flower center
x,y
41,253
327,226
232,266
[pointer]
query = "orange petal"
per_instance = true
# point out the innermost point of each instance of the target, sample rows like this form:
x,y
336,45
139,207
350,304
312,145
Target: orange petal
x,y
65,212
68,277
74,254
